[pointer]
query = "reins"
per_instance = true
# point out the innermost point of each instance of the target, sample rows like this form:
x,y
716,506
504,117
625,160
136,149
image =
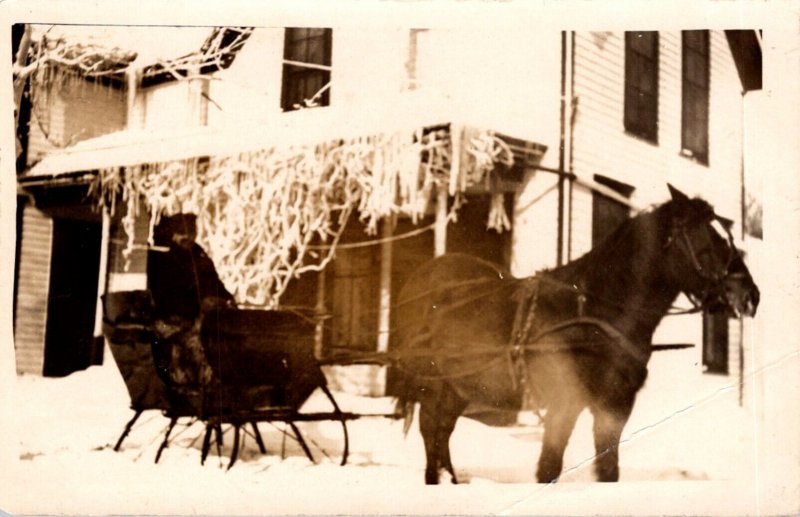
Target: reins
x,y
512,354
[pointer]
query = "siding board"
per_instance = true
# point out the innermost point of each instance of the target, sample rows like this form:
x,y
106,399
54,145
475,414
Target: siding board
x,y
601,145
33,285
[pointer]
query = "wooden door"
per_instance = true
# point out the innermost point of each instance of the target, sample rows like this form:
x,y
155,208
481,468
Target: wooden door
x,y
75,260
353,291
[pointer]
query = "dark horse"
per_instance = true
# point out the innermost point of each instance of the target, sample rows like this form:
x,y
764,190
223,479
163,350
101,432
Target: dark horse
x,y
573,337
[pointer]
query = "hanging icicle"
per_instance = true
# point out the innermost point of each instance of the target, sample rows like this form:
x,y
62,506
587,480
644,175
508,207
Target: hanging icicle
x,y
262,214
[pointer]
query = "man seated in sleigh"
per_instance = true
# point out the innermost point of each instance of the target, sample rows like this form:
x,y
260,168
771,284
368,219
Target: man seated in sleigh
x,y
185,287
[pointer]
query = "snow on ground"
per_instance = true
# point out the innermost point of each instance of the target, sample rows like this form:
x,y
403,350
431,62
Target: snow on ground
x,y
66,429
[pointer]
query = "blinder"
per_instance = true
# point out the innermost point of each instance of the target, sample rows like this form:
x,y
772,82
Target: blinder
x,y
715,276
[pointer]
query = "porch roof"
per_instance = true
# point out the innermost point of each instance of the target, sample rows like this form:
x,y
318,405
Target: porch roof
x,y
311,126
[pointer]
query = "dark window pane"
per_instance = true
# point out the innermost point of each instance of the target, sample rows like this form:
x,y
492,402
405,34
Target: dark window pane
x,y
316,51
715,343
695,114
608,214
644,43
696,40
641,84
301,50
643,77
696,68
306,45
302,88
698,103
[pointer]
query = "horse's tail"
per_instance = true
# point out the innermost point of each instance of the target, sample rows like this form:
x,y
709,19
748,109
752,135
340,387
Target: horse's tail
x,y
404,403
405,408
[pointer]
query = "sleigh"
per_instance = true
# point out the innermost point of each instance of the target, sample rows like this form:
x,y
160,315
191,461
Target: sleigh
x,y
262,363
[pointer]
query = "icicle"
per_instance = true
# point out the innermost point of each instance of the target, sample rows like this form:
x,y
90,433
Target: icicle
x,y
258,212
498,218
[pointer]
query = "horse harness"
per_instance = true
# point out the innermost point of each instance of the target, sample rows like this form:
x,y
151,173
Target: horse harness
x,y
680,237
527,299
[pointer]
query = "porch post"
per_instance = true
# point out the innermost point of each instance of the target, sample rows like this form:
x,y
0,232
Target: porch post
x,y
102,281
319,309
385,301
440,226
385,307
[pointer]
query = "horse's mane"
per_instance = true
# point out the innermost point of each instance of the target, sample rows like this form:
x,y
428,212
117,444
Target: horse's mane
x,y
616,263
616,251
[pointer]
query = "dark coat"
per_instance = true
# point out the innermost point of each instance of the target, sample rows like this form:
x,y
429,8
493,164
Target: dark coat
x,y
181,279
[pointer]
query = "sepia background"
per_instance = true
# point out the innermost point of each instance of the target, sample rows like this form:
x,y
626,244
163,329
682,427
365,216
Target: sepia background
x,y
715,429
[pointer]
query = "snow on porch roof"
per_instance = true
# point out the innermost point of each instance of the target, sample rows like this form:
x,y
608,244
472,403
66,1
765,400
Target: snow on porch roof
x,y
303,127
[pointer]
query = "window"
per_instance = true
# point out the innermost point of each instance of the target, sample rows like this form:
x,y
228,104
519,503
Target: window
x,y
412,63
715,342
306,68
641,84
607,213
694,116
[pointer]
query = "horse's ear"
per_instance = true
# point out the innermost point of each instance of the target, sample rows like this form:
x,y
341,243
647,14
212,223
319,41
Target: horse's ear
x,y
724,221
677,195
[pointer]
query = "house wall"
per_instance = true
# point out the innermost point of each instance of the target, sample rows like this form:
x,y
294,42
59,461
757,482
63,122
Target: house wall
x,y
164,106
127,272
47,123
601,146
420,76
32,289
467,76
471,76
77,111
507,81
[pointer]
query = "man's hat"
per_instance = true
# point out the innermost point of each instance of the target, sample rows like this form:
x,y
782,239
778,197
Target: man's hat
x,y
170,225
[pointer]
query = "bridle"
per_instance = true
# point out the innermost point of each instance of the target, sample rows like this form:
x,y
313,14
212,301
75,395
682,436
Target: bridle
x,y
713,279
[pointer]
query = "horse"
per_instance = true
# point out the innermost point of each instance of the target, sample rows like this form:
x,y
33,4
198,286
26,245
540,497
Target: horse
x,y
569,338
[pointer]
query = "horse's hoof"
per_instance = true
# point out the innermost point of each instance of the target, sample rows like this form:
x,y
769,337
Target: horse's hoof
x,y
610,477
546,479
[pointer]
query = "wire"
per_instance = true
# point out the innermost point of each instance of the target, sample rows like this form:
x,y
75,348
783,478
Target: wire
x,y
375,242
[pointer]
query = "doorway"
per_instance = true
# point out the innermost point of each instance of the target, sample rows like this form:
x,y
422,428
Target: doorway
x,y
70,344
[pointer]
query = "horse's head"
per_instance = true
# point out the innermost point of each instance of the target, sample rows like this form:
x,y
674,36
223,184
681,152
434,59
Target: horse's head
x,y
706,265
741,294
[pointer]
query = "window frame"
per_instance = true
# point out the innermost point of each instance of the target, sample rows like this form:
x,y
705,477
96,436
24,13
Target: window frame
x,y
603,206
693,91
293,74
633,114
716,343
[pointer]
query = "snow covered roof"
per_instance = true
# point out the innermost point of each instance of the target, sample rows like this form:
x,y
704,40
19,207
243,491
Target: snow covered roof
x,y
140,146
151,44
127,147
161,53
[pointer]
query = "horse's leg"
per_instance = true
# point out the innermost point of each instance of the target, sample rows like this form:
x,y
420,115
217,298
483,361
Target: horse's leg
x,y
608,425
558,424
450,408
428,426
440,408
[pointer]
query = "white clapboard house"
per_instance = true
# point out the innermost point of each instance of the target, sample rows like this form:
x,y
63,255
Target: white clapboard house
x,y
597,124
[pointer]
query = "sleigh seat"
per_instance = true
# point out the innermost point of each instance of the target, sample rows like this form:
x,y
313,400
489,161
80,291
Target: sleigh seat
x,y
262,368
